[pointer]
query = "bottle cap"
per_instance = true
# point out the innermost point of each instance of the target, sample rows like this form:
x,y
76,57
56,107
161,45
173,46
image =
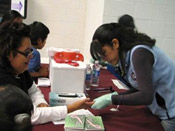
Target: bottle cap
x,y
96,62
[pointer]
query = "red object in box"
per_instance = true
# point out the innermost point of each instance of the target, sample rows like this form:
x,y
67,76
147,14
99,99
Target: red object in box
x,y
68,57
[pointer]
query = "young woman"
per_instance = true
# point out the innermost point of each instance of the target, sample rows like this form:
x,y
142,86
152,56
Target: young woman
x,y
15,54
142,65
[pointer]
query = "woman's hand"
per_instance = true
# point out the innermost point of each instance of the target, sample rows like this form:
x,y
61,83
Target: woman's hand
x,y
43,105
80,104
43,71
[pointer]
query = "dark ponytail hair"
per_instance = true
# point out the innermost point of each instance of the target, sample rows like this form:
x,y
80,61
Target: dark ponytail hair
x,y
127,21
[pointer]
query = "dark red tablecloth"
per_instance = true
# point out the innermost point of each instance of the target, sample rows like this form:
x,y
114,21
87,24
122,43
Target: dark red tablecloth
x,y
128,118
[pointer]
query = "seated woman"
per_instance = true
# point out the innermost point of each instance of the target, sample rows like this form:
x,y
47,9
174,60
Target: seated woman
x,y
15,54
15,109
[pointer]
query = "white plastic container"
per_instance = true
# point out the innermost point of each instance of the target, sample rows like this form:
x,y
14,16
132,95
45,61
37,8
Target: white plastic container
x,y
67,78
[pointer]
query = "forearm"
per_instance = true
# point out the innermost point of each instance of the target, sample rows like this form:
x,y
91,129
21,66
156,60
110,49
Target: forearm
x,y
80,104
70,108
47,114
36,96
143,72
128,91
137,98
35,74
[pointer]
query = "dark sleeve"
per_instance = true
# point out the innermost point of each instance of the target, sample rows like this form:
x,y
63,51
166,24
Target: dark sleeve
x,y
142,61
23,81
29,79
26,81
8,79
131,90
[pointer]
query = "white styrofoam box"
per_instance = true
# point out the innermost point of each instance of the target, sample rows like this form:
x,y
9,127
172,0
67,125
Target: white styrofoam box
x,y
61,99
67,78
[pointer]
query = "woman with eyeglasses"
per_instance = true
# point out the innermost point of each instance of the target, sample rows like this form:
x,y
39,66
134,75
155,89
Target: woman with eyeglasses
x,y
15,54
149,73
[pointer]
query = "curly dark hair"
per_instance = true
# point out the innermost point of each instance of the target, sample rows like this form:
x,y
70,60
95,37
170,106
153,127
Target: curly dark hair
x,y
11,36
10,15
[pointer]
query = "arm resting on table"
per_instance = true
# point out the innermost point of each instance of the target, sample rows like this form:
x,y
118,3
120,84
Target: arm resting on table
x,y
47,114
35,94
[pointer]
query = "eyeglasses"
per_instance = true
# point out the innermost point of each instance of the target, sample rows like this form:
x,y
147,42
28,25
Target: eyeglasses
x,y
27,53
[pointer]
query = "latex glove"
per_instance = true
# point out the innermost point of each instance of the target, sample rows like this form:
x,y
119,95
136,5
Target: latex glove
x,y
103,101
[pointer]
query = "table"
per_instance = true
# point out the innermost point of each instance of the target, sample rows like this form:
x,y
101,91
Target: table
x,y
128,118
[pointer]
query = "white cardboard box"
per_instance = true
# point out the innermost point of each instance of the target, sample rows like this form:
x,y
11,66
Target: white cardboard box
x,y
67,78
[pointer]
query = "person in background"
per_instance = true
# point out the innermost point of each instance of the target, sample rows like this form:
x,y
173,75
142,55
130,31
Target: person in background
x,y
38,34
16,52
147,69
15,109
12,16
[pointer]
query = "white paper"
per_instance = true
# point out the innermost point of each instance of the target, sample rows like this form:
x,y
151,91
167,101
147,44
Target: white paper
x,y
43,82
77,112
120,84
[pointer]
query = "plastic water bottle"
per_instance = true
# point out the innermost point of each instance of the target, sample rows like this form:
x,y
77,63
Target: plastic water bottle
x,y
95,74
88,77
